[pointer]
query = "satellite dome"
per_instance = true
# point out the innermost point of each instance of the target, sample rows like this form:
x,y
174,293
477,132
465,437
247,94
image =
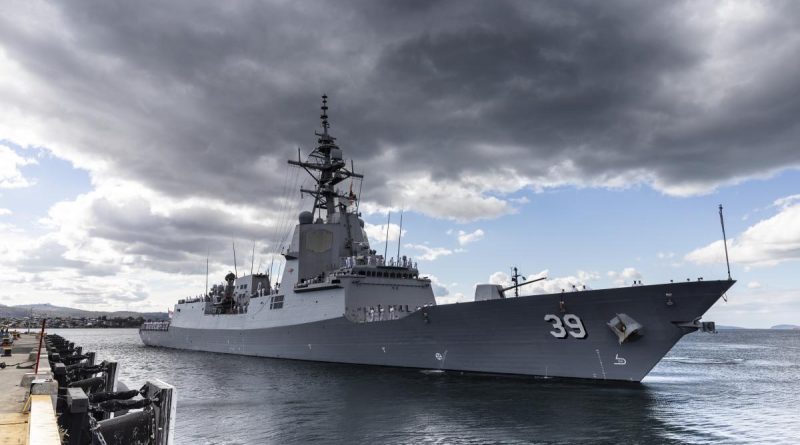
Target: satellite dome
x,y
306,217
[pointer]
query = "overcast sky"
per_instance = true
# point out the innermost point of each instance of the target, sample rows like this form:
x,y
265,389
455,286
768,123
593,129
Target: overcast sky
x,y
589,141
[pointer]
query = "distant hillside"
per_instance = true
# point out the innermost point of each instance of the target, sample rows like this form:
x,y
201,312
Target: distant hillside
x,y
785,326
719,326
49,310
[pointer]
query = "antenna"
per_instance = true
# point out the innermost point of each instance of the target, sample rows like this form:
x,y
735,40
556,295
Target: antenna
x,y
400,235
327,160
324,116
386,245
724,241
253,257
281,270
515,276
207,252
358,198
234,259
272,261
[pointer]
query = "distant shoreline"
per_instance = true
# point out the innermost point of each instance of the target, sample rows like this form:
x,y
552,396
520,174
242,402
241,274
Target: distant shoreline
x,y
46,328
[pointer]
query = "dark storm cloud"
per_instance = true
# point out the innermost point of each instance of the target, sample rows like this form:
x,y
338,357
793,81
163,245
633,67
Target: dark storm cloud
x,y
50,255
179,242
208,99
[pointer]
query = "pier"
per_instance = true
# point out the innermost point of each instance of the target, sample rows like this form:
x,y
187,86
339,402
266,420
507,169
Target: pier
x,y
51,392
20,423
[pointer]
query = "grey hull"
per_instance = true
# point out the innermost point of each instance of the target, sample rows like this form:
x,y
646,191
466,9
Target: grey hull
x,y
504,336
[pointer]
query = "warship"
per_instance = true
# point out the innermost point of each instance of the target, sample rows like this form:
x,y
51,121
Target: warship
x,y
339,300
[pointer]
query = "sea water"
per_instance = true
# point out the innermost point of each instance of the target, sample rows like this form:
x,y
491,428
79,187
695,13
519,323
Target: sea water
x,y
737,386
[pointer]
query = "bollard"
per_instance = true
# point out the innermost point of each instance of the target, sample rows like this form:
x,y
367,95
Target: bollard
x,y
111,376
164,410
110,382
60,374
89,395
76,418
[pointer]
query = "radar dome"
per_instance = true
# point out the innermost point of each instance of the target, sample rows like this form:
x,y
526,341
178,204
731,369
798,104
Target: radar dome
x,y
306,217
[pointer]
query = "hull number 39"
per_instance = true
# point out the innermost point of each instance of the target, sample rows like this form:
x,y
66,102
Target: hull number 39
x,y
574,326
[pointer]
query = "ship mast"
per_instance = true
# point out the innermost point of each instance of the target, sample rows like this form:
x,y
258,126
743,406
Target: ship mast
x,y
327,160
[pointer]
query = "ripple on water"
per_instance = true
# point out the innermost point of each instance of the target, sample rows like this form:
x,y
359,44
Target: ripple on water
x,y
734,387
704,361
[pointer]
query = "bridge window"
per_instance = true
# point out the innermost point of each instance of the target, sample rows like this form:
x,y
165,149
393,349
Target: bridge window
x,y
276,302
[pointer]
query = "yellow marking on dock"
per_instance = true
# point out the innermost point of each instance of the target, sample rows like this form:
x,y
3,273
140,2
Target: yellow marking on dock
x,y
14,429
44,426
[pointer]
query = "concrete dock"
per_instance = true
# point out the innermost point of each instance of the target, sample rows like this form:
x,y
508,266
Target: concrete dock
x,y
18,421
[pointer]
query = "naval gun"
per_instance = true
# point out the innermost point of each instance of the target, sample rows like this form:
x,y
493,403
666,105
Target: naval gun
x,y
496,291
517,285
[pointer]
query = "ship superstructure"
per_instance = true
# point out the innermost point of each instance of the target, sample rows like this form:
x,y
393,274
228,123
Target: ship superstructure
x,y
339,300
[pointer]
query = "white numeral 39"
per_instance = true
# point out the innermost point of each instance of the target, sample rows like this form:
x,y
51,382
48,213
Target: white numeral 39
x,y
572,321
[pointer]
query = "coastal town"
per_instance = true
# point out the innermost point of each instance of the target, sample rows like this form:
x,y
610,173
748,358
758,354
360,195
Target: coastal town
x,y
31,316
74,322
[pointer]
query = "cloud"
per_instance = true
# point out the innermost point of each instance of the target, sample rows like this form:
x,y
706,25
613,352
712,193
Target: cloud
x,y
377,232
47,254
184,115
769,242
754,285
443,294
447,107
103,293
464,199
457,297
465,238
551,285
122,225
439,289
757,308
5,211
786,201
10,174
627,276
429,253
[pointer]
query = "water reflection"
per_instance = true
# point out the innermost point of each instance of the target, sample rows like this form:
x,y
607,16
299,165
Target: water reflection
x,y
255,399
704,393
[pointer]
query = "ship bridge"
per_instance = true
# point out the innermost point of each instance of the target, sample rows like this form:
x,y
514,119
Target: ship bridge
x,y
375,266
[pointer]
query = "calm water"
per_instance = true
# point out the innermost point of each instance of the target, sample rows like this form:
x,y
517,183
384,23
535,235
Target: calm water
x,y
733,387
